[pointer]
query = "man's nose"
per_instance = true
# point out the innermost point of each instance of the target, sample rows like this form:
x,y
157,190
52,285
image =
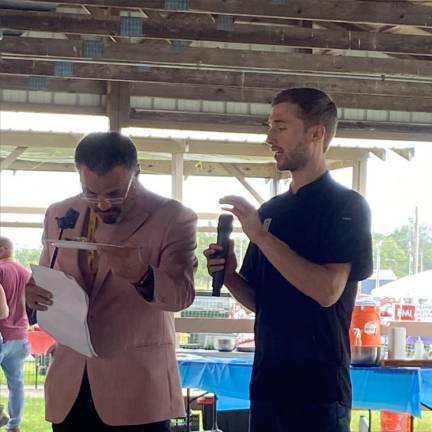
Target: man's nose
x,y
103,204
269,140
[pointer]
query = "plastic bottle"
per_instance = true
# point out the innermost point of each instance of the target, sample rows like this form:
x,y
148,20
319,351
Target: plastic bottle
x,y
419,349
363,424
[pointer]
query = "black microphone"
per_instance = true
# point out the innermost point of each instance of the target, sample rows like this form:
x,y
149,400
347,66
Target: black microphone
x,y
68,221
224,229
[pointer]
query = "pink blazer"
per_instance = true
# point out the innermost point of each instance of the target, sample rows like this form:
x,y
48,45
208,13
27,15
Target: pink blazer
x,y
135,379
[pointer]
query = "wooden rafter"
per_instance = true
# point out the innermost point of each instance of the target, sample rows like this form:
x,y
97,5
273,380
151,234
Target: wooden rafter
x,y
12,157
257,124
233,171
165,54
51,108
48,140
185,91
392,13
373,86
191,168
181,28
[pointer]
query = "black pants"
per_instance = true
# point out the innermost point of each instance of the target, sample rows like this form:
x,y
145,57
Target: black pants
x,y
292,417
83,417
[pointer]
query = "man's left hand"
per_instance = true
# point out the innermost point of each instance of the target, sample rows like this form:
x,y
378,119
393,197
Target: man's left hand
x,y
246,214
128,262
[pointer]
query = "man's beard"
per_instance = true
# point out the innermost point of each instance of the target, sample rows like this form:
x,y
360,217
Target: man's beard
x,y
294,161
111,216
115,214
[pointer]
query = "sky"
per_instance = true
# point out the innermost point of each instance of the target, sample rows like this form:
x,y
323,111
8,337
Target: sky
x,y
394,186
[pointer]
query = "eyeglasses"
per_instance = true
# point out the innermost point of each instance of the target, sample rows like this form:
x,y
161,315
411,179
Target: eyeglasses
x,y
91,199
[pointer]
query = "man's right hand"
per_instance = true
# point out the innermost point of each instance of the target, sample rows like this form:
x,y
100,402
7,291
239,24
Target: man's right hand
x,y
216,264
36,297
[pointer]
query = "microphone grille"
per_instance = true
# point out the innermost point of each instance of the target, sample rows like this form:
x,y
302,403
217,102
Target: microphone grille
x,y
225,222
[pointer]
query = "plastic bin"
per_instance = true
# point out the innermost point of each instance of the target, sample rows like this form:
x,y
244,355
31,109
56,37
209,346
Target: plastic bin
x,y
395,422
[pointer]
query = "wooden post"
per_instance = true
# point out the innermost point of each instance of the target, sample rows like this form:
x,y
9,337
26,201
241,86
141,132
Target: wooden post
x,y
118,104
235,172
12,157
275,183
177,176
359,177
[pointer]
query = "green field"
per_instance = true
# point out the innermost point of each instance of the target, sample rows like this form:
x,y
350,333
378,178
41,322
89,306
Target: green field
x,y
34,414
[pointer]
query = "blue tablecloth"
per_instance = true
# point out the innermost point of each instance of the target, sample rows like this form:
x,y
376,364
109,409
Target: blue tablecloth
x,y
396,389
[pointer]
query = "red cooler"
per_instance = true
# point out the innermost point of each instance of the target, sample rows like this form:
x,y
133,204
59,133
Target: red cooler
x,y
365,333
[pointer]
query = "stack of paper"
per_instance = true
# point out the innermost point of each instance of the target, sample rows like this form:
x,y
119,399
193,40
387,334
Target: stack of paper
x,y
66,319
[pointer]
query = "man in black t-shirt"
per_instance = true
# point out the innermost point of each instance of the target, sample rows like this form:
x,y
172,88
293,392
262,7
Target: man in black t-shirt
x,y
308,249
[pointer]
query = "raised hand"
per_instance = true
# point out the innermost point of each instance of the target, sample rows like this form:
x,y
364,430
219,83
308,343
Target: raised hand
x,y
246,214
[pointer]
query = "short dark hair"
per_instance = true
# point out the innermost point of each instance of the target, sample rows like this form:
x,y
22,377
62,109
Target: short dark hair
x,y
315,107
100,152
7,244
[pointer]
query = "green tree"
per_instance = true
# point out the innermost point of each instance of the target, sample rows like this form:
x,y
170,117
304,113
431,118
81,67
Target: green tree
x,y
396,249
392,255
202,278
27,256
404,236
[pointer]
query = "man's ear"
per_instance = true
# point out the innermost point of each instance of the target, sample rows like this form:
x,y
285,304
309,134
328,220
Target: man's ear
x,y
319,132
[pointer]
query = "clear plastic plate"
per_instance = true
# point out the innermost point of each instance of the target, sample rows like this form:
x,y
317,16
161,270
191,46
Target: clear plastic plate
x,y
72,244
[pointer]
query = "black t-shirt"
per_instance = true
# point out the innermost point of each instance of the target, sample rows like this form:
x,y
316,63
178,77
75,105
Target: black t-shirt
x,y
302,349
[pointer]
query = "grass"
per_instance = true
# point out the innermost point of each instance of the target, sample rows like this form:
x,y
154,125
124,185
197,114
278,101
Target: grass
x,y
34,415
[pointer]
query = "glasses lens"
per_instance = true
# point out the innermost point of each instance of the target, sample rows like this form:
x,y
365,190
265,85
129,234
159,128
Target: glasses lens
x,y
111,201
93,200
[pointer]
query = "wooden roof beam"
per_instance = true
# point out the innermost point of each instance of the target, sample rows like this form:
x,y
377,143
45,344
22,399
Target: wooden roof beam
x,y
180,29
370,12
256,124
373,86
46,140
164,54
200,92
262,95
195,168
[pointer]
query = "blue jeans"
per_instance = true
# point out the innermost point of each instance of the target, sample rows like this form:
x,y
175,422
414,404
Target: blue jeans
x,y
284,416
12,356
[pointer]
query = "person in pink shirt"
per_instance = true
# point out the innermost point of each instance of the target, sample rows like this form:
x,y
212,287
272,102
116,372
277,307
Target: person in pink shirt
x,y
4,308
4,312
13,329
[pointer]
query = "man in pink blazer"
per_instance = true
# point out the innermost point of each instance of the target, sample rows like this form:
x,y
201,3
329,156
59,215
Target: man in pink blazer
x,y
133,384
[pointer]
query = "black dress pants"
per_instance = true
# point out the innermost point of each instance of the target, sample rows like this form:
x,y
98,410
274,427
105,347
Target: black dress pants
x,y
283,416
84,418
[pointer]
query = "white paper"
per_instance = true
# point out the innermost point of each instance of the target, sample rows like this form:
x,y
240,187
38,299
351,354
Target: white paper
x,y
66,319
